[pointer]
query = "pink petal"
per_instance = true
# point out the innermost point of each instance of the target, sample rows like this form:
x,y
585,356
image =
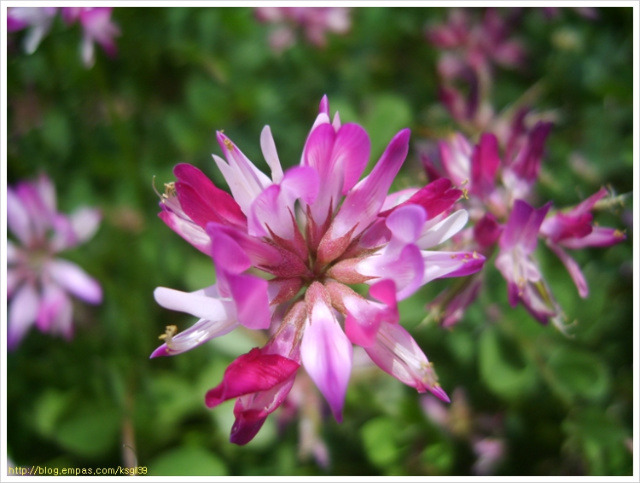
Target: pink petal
x,y
600,236
436,197
22,312
484,165
270,153
443,230
251,410
202,331
244,179
202,201
364,316
273,210
573,269
53,303
187,229
523,226
277,260
362,204
250,296
398,354
204,303
250,373
18,218
326,351
85,223
442,264
72,278
487,231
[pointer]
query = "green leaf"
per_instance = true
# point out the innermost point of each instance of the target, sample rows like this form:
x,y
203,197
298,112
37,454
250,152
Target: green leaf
x,y
502,366
578,374
90,431
188,461
380,442
50,407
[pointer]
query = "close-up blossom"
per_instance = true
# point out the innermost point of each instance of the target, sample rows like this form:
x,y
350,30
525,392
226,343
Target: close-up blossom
x,y
313,231
39,283
432,275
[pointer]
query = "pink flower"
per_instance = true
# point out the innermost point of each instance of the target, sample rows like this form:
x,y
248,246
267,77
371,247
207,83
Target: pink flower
x,y
470,47
315,22
524,280
38,283
497,188
312,231
97,27
96,23
37,19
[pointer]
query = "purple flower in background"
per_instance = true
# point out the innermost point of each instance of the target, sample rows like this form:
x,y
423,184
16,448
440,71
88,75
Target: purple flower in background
x,y
314,22
483,432
96,25
311,231
470,47
37,20
498,190
39,284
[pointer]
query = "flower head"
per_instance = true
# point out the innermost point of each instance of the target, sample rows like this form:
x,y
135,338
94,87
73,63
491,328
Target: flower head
x,y
39,284
498,190
96,23
314,22
312,231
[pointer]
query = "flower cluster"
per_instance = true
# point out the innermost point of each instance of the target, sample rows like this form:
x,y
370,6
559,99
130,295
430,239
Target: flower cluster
x,y
315,22
311,232
96,24
468,51
498,192
39,283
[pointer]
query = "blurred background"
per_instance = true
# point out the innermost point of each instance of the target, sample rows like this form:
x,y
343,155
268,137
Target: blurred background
x,y
526,399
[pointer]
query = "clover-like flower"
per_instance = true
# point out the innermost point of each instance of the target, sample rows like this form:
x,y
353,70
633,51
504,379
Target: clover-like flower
x,y
313,231
38,282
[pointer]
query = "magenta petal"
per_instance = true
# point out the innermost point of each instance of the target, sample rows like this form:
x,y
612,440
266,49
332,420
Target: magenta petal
x,y
487,231
573,269
351,153
600,236
484,165
250,373
202,201
251,299
362,204
246,426
326,351
435,198
523,226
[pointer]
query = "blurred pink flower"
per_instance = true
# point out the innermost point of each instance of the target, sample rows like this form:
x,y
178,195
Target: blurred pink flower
x,y
315,22
497,190
312,231
37,20
470,48
96,25
38,283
